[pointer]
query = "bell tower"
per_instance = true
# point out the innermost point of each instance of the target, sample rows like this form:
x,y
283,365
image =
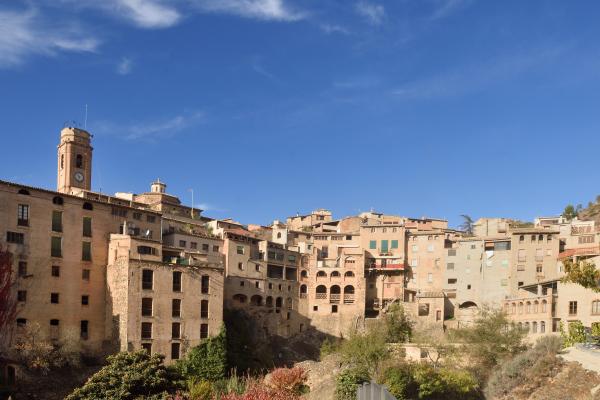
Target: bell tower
x,y
74,161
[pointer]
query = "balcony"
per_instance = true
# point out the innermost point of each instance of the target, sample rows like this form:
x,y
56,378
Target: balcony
x,y
334,298
321,296
348,298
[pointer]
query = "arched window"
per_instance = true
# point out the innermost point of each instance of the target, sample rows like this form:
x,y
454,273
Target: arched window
x,y
79,161
527,327
88,206
528,307
335,274
304,274
349,274
542,327
535,306
58,200
534,327
335,289
24,191
303,290
348,294
269,302
289,303
321,274
321,292
62,161
278,302
520,308
256,300
240,298
514,308
349,289
544,304
278,235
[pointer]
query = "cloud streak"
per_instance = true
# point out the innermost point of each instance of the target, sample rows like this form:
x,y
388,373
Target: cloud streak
x,y
373,13
125,66
24,34
151,130
446,7
268,10
149,14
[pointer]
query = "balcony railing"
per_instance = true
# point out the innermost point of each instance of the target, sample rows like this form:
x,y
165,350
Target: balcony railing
x,y
334,298
348,298
303,295
321,296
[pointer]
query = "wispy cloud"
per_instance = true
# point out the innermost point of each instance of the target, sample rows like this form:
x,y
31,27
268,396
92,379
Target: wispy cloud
x,y
151,14
150,130
26,33
271,10
477,77
443,8
125,66
334,28
259,68
373,13
208,207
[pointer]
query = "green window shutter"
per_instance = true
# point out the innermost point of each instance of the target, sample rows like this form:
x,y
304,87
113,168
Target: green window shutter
x,y
394,244
87,227
373,244
384,246
56,221
56,247
86,251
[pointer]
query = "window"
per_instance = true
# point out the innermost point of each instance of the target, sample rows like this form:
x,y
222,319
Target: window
x,y
451,252
85,274
54,322
119,212
372,244
292,258
414,262
176,308
539,268
241,283
203,331
240,249
21,322
520,283
175,347
522,255
22,268
137,215
146,250
86,251
204,309
430,277
176,281
147,279
216,249
15,237
257,284
146,306
182,243
22,295
572,308
423,309
539,254
193,245
176,330
520,268
543,324
204,246
147,347
23,215
79,161
241,266
87,206
394,244
84,329
257,267
151,218
146,330
54,298
450,266
334,308
468,287
384,246
85,300
521,238
87,226
452,281
315,308
56,270
596,307
534,325
204,283
56,246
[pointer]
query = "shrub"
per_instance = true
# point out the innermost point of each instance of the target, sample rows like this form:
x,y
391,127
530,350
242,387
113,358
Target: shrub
x,y
329,346
348,381
400,381
261,392
288,380
595,328
206,361
575,334
530,366
127,376
234,384
200,390
445,383
365,351
398,325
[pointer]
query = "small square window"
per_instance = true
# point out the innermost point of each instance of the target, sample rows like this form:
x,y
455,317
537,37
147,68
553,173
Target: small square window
x,y
56,271
54,298
315,308
85,300
22,295
85,274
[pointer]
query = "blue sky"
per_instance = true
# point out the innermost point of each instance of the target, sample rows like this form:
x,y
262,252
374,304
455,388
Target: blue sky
x,y
271,107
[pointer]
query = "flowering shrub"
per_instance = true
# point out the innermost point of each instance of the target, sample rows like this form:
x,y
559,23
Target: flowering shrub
x,y
282,384
288,380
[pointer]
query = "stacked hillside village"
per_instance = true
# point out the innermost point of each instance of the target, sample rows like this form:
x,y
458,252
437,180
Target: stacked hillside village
x,y
134,271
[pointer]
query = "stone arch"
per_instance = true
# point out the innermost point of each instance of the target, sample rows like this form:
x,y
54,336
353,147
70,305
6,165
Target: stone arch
x,y
335,274
304,274
321,274
256,300
348,274
335,289
269,301
348,289
240,298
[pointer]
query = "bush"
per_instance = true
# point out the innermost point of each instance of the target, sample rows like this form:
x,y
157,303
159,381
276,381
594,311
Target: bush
x,y
128,376
348,381
257,392
528,367
576,333
234,384
400,382
206,361
445,383
200,390
398,325
329,346
595,328
288,380
365,351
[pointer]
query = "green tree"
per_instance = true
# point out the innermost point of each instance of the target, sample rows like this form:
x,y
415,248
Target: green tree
x,y
206,361
583,273
127,376
348,381
467,225
398,324
491,338
569,212
365,350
